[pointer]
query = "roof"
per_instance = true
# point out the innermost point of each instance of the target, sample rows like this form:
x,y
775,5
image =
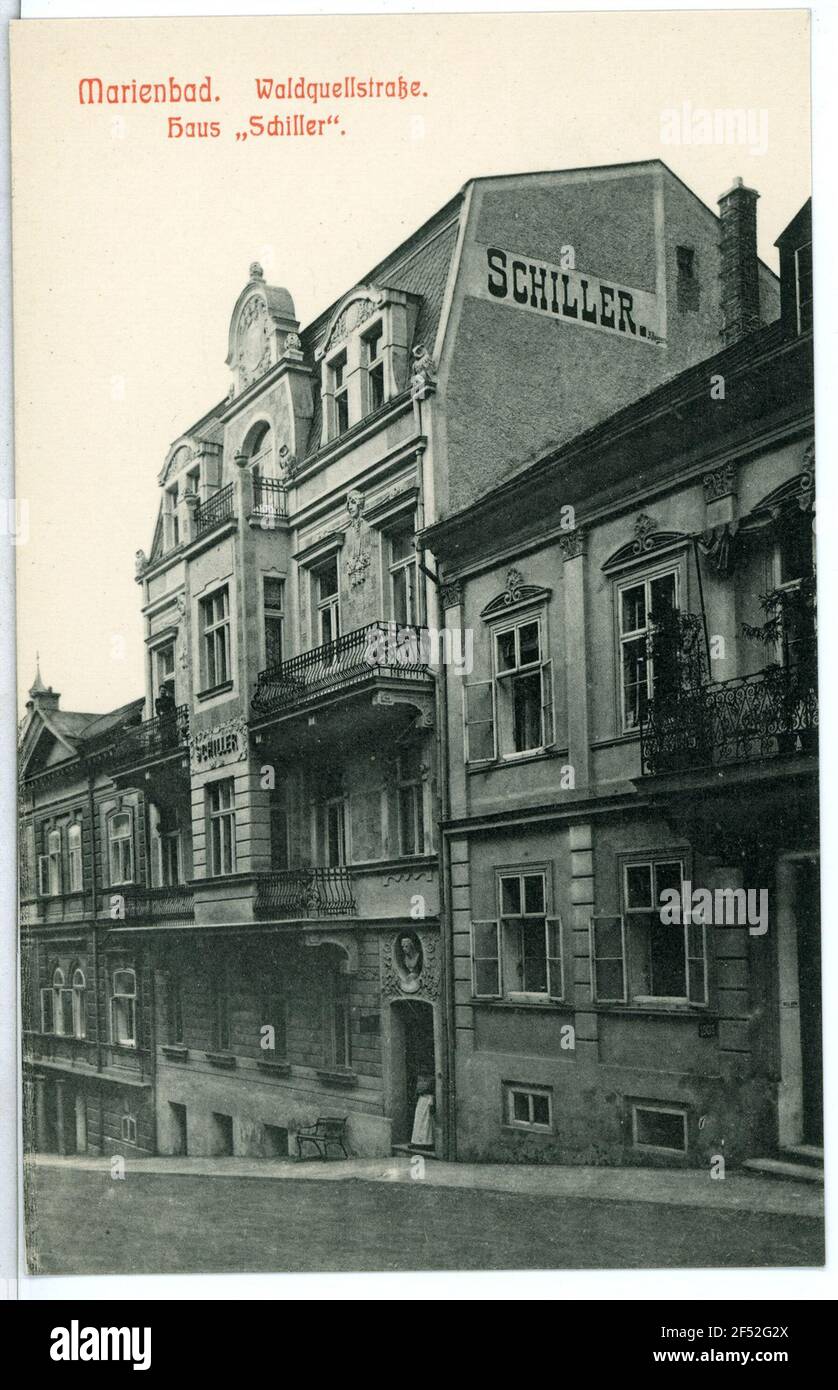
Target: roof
x,y
104,723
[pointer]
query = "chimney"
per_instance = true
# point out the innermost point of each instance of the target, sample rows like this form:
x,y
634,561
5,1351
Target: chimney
x,y
740,263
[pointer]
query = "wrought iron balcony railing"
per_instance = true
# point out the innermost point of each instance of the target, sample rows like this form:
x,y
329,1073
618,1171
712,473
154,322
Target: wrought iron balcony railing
x,y
166,903
269,497
380,649
314,892
218,508
769,714
154,738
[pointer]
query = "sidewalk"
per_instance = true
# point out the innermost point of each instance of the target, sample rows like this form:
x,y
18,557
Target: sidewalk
x,y
686,1187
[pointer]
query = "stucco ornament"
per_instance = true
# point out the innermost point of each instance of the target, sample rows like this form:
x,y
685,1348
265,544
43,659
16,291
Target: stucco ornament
x,y
140,562
423,373
358,563
514,580
254,355
410,965
644,527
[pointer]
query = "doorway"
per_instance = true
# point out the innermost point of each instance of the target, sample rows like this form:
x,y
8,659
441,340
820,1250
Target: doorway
x,y
414,1056
800,1100
222,1135
177,1116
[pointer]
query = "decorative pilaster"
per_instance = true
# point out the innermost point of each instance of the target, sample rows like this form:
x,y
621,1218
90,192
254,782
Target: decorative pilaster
x,y
576,655
582,907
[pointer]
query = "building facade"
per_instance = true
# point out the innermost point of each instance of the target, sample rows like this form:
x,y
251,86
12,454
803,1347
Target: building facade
x,y
640,730
244,894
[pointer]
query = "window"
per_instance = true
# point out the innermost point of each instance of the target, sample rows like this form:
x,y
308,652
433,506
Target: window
x,y
215,624
222,827
124,1008
273,598
175,1009
62,1006
411,801
272,1014
340,390
374,364
803,287
172,494
638,603
128,1128
687,287
338,1038
332,831
524,692
74,857
531,941
47,1010
659,1127
636,956
121,848
79,1006
170,858
528,1107
404,596
795,565
193,482
165,660
49,866
327,601
520,954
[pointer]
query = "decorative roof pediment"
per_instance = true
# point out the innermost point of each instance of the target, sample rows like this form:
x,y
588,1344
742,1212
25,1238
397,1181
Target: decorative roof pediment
x,y
263,326
515,594
354,309
647,542
43,744
797,491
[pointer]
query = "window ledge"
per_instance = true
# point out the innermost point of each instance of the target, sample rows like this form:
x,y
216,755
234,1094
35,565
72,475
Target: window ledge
x,y
547,1005
176,1052
331,1076
213,690
697,1011
517,759
224,1060
274,1068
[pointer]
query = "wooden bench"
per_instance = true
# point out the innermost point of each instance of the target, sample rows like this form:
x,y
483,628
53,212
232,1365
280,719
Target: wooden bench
x,y
329,1129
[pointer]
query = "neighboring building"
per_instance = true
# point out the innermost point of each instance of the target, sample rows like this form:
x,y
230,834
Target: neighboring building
x,y
642,716
261,830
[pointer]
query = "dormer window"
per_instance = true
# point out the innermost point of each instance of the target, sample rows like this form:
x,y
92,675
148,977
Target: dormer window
x,y
374,366
340,391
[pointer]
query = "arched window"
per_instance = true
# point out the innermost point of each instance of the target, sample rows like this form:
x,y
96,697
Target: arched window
x,y
79,993
124,1008
74,855
260,450
62,1005
121,848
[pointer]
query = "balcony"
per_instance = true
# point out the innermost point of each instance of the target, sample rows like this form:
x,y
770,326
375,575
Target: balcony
x,y
154,738
381,650
216,510
312,892
85,1057
773,713
173,903
269,498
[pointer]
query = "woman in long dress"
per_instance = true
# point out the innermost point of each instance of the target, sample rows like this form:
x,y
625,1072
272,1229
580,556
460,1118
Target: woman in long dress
x,y
423,1116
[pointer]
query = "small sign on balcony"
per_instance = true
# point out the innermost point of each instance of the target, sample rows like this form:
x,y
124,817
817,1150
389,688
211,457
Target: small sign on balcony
x,y
223,743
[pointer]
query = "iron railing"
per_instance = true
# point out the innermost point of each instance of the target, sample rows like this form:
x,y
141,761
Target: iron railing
x,y
175,901
380,649
314,892
769,714
269,497
218,508
153,738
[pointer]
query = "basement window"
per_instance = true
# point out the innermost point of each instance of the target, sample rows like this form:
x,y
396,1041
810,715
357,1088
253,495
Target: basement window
x,y
528,1107
659,1128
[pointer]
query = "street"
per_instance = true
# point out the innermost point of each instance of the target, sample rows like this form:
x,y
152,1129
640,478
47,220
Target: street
x,y
86,1222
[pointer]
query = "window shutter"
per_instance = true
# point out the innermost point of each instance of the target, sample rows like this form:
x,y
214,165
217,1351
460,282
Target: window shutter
x,y
485,960
555,958
608,959
548,736
696,944
43,875
479,721
47,1011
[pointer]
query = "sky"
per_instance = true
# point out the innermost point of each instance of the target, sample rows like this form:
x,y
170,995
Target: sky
x,y
130,249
